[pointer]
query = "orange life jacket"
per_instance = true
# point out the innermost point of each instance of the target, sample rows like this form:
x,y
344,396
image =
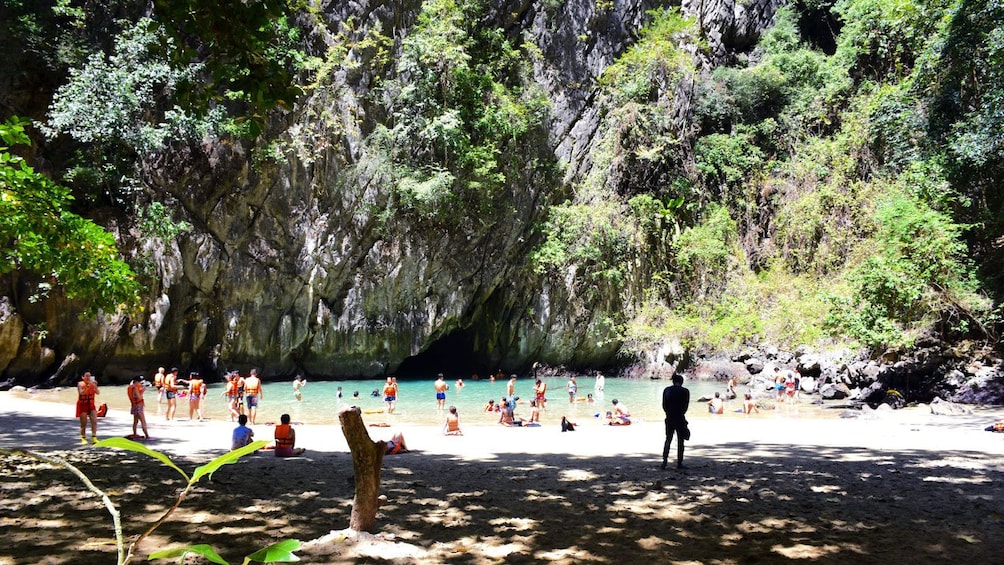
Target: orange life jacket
x,y
195,388
283,435
158,380
135,393
252,389
88,393
171,383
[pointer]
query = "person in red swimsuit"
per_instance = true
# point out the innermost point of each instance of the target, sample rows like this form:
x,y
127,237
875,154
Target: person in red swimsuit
x,y
87,389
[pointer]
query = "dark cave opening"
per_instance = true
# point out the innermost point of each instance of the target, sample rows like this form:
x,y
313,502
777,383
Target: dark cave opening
x,y
453,355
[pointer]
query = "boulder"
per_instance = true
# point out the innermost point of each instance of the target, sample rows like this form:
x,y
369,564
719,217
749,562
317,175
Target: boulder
x,y
807,384
834,391
754,365
943,407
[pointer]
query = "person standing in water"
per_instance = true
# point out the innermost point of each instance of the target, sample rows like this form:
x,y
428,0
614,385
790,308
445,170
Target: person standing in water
x,y
253,392
675,401
298,384
390,394
441,388
158,381
171,384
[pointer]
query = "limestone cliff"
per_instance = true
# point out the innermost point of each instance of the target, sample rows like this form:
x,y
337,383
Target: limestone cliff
x,y
298,262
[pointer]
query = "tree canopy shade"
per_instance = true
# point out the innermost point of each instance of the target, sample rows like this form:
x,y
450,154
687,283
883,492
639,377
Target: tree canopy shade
x,y
248,49
40,234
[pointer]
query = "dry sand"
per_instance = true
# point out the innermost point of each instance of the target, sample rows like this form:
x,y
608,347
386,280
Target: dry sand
x,y
892,487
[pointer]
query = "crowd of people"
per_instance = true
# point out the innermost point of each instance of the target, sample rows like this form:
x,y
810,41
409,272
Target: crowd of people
x,y
243,395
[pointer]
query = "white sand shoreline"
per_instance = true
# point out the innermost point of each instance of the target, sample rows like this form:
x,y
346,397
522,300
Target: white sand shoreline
x,y
910,428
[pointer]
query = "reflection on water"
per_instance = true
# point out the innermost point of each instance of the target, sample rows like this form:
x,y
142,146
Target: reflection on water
x,y
416,402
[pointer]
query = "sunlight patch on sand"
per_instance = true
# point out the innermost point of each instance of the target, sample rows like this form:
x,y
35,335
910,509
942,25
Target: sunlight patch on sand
x,y
957,480
828,489
569,555
514,524
449,517
572,475
654,542
803,551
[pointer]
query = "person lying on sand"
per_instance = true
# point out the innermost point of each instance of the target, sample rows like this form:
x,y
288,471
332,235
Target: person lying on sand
x,y
396,444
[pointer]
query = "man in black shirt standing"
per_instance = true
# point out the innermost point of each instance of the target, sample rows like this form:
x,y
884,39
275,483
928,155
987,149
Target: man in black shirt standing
x,y
675,400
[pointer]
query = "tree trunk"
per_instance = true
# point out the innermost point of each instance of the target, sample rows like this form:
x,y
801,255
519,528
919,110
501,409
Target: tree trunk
x,y
367,459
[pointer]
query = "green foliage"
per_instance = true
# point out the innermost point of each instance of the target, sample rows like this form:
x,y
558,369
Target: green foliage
x,y
122,97
656,61
41,235
461,101
122,106
155,221
915,275
252,54
727,162
959,80
881,39
204,550
774,307
277,552
706,253
595,239
798,87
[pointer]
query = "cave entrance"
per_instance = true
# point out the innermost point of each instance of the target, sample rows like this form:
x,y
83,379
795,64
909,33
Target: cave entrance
x,y
453,355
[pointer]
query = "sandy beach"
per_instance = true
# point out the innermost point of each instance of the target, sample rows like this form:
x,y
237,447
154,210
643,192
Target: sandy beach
x,y
887,487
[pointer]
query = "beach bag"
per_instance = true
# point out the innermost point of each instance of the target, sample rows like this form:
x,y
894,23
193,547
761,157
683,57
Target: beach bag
x,y
102,410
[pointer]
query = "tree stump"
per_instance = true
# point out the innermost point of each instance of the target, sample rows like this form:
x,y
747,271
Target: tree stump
x,y
367,460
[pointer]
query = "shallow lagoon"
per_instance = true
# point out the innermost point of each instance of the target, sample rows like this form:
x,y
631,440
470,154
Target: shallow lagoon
x,y
417,400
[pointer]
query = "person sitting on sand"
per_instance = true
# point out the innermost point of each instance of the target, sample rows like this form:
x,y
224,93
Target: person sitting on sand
x,y
534,412
621,413
748,405
716,405
566,425
452,425
285,439
243,435
396,444
997,426
508,417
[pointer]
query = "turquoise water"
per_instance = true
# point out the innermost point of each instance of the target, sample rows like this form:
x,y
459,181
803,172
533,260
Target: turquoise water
x,y
416,402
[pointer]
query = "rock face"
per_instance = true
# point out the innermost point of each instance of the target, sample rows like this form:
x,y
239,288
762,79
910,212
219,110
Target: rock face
x,y
294,264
